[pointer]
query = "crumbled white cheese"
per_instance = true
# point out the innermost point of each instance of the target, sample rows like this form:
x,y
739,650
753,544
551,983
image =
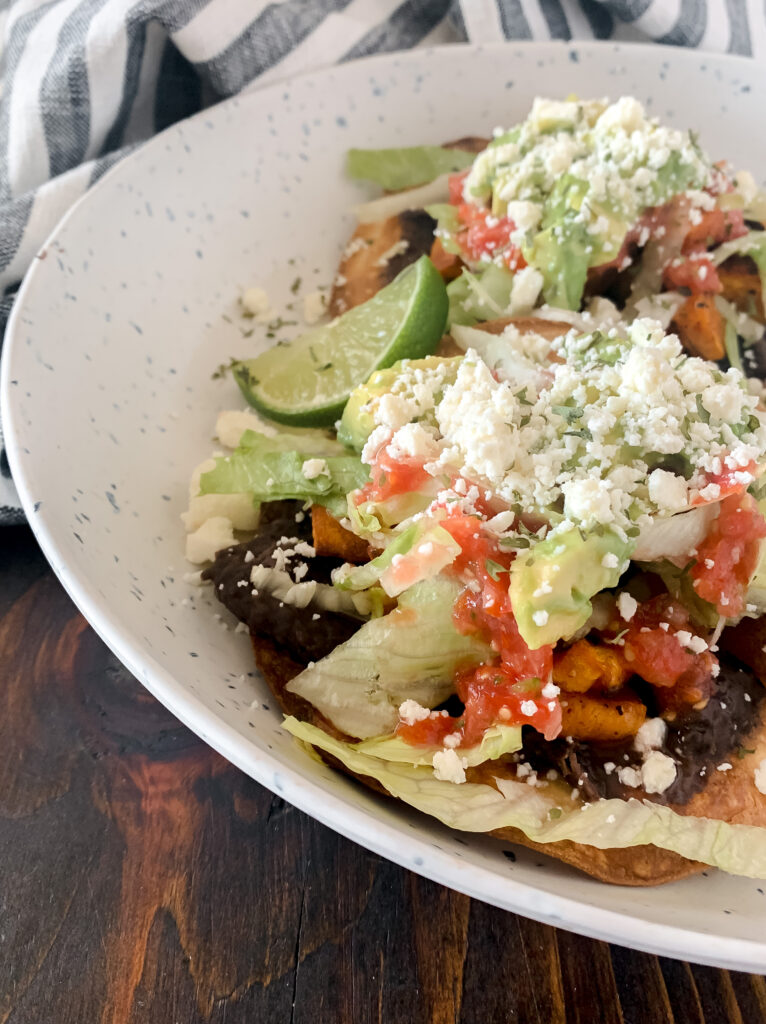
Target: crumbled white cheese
x,y
255,302
527,284
524,214
667,490
232,423
528,708
411,712
610,560
448,766
760,777
397,249
530,451
312,468
723,402
746,186
658,772
540,617
651,735
314,307
630,777
212,536
690,641
626,605
413,441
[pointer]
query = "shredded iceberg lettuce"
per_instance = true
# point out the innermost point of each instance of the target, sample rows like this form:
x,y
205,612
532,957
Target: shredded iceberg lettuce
x,y
414,653
407,166
481,296
419,552
496,741
268,470
548,815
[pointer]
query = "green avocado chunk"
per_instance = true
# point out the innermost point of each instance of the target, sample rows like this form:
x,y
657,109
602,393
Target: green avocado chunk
x,y
357,421
552,585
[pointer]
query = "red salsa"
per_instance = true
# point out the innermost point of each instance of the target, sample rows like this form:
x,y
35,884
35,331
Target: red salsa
x,y
727,557
508,692
390,477
482,235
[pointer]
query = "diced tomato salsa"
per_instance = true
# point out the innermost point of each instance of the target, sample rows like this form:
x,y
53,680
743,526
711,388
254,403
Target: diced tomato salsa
x,y
693,269
481,234
491,693
712,228
429,731
729,481
653,651
697,274
727,558
390,477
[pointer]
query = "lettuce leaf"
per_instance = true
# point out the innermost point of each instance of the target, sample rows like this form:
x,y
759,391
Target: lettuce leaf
x,y
447,225
424,549
413,652
269,470
496,741
681,586
475,297
407,166
306,441
548,815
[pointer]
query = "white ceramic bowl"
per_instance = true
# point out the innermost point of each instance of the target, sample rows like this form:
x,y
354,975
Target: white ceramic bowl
x,y
109,402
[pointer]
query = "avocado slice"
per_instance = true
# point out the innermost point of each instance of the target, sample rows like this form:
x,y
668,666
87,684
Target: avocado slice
x,y
357,421
552,585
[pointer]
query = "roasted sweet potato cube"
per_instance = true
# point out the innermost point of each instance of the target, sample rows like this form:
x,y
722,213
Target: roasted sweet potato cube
x,y
448,264
333,540
600,718
584,666
742,285
700,327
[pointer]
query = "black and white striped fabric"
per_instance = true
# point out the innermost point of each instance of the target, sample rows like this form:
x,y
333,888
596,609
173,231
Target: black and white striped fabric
x,y
84,81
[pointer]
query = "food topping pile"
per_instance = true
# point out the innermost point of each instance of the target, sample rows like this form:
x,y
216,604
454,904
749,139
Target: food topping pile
x,y
497,530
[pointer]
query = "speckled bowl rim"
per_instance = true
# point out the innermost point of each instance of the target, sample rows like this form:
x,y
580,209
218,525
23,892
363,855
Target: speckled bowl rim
x,y
330,809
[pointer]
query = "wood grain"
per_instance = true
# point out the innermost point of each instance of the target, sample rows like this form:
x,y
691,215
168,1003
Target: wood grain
x,y
143,880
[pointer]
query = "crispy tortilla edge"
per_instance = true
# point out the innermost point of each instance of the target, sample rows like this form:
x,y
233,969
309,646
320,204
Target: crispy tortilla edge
x,y
633,866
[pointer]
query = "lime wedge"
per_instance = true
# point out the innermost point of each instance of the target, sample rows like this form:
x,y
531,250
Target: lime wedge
x,y
307,381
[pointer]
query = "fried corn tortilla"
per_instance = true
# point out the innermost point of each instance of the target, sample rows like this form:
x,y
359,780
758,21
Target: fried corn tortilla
x,y
378,251
728,796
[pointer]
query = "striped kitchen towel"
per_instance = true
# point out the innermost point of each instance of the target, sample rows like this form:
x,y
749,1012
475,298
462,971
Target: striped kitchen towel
x,y
84,81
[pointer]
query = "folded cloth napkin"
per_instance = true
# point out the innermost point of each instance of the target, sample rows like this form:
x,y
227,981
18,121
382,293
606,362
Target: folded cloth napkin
x,y
85,81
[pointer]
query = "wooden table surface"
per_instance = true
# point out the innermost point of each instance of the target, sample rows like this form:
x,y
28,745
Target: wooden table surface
x,y
143,879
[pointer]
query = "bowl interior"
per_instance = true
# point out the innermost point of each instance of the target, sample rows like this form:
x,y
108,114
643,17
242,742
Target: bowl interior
x,y
109,403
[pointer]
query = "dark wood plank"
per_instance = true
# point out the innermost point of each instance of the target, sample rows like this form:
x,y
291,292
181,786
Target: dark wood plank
x,y
144,880
590,989
512,971
682,992
641,987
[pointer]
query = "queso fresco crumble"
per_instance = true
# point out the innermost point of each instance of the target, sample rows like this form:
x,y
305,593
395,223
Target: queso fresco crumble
x,y
584,425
